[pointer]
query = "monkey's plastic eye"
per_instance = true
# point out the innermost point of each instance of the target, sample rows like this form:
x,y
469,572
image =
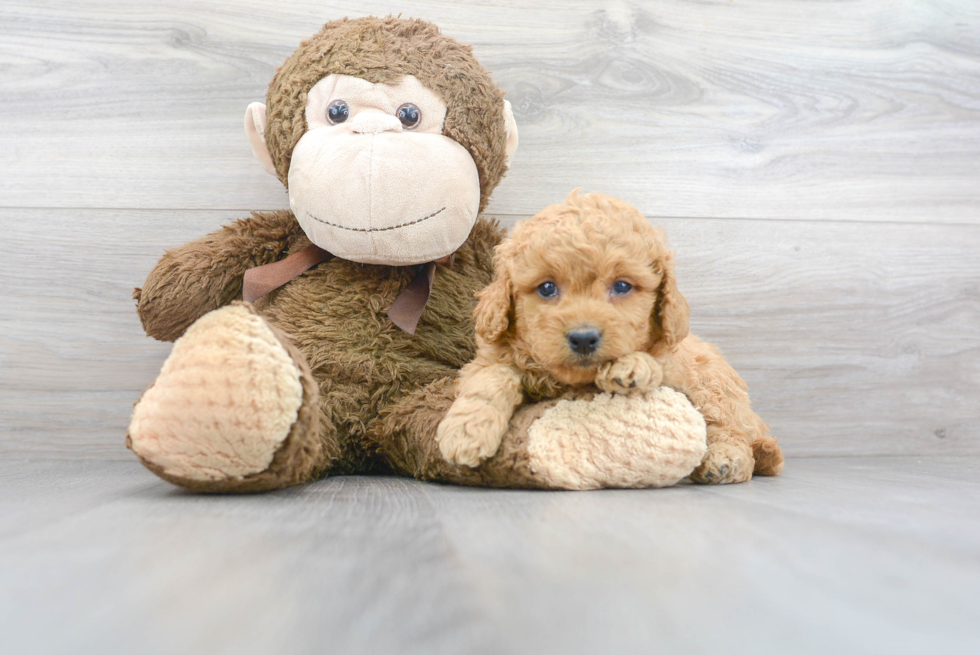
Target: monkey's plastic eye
x,y
547,289
621,287
337,112
409,115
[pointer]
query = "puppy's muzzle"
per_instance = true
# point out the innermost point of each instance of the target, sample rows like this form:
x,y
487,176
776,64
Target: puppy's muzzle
x,y
584,341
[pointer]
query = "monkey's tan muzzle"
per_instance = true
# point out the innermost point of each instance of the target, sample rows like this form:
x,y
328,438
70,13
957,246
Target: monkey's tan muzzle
x,y
384,197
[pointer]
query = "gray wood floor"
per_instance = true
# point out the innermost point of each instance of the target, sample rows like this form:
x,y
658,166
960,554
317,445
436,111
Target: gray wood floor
x,y
840,555
817,168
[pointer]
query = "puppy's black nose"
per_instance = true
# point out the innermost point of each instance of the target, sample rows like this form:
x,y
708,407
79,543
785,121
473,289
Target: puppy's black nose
x,y
584,341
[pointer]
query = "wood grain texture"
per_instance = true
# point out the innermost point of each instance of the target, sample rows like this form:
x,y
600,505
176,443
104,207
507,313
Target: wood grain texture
x,y
855,338
855,321
837,555
862,110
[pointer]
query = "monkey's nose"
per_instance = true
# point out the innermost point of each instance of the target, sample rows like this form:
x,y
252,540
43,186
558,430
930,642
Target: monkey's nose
x,y
584,341
374,122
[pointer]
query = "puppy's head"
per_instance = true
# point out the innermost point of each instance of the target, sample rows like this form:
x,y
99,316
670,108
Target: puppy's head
x,y
579,284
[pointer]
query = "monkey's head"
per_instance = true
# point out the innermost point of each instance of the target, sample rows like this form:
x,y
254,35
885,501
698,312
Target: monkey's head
x,y
389,137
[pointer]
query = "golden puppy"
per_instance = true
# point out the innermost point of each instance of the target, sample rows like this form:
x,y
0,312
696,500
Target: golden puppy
x,y
584,294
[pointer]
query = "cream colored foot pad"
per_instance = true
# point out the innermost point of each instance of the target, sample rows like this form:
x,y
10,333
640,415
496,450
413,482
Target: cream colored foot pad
x,y
651,439
223,403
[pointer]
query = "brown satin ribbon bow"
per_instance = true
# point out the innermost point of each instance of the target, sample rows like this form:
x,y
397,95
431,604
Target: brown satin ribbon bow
x,y
405,312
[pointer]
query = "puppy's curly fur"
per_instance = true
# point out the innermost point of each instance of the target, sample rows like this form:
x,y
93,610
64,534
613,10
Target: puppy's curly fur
x,y
584,294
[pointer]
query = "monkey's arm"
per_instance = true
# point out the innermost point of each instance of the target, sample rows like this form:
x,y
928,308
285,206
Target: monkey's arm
x,y
206,274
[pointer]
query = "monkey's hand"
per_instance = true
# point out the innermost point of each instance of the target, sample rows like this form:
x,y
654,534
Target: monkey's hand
x,y
637,371
203,275
475,424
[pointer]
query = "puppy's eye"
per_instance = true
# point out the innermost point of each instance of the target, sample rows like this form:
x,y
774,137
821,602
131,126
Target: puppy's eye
x,y
337,112
621,287
547,289
409,115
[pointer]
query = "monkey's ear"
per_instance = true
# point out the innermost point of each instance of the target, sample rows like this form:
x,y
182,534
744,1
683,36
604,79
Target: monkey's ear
x,y
511,126
255,129
492,312
670,321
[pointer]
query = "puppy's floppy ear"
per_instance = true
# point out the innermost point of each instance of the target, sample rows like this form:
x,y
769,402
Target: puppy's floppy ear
x,y
670,320
492,312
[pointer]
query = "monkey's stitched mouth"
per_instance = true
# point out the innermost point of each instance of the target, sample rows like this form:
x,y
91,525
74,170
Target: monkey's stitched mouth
x,y
376,229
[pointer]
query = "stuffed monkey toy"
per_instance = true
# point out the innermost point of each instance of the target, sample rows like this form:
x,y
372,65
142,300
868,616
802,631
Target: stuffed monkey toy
x,y
325,340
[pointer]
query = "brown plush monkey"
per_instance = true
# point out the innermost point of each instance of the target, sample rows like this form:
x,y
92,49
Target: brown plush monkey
x,y
389,137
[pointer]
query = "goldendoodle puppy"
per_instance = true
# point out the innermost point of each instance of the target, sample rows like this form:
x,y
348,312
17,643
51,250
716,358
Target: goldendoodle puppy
x,y
584,294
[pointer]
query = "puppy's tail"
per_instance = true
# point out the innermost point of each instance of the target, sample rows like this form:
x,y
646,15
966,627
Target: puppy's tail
x,y
768,456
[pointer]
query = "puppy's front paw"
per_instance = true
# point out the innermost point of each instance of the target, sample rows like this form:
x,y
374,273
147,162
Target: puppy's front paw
x,y
471,432
637,371
724,464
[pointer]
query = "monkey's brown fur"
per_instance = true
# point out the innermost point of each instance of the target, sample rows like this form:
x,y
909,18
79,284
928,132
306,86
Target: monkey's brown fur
x,y
381,51
333,318
334,315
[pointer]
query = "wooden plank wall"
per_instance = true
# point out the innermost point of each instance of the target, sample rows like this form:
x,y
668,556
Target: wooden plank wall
x,y
816,165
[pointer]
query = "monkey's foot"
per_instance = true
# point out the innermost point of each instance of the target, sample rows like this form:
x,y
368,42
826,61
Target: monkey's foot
x,y
233,409
647,439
